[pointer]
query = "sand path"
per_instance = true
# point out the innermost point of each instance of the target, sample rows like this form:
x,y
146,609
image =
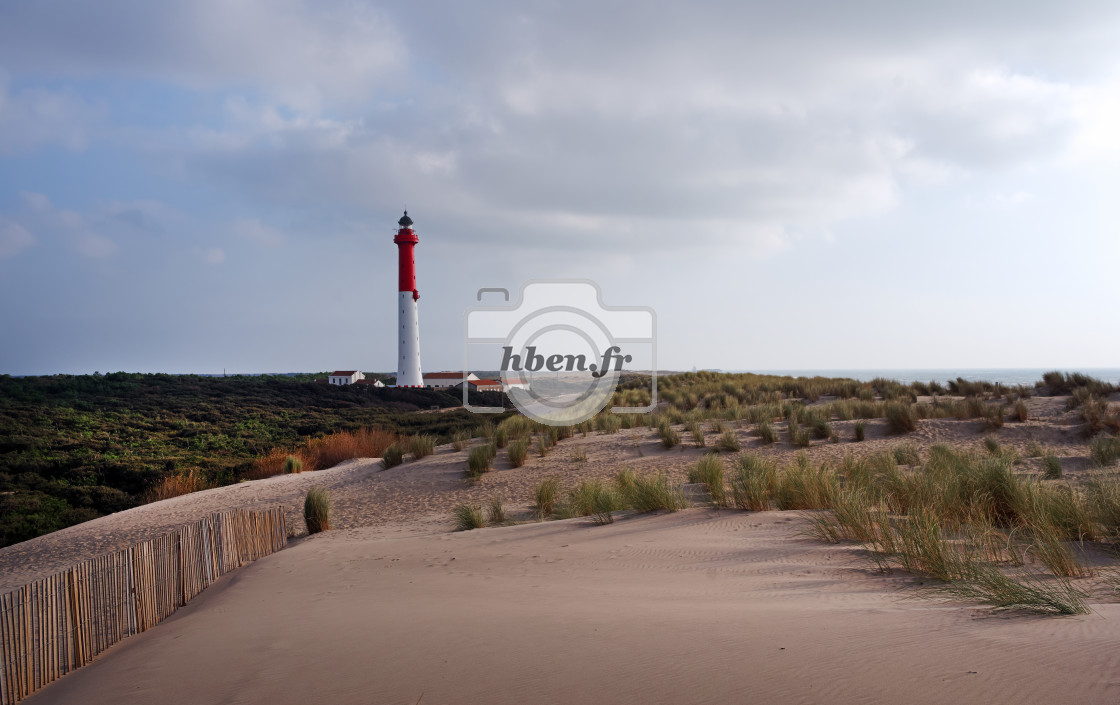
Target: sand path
x,y
695,607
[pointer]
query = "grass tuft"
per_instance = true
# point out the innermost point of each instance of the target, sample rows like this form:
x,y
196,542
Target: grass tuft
x,y
392,457
753,483
709,472
421,446
292,464
468,516
317,510
650,493
544,497
728,442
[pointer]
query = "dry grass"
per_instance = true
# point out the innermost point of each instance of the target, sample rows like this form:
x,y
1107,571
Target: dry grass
x,y
326,452
180,484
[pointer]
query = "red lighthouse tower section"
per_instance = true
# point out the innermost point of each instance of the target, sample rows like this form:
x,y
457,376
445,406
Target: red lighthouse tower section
x,y
406,241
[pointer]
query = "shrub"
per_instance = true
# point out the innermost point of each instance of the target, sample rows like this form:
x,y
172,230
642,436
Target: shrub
x,y
766,433
518,452
1051,467
803,486
478,461
392,457
650,493
317,510
697,433
594,499
544,497
468,516
497,513
799,437
1104,451
753,483
900,417
819,427
501,437
580,455
1035,450
992,417
709,472
859,430
421,446
608,422
1103,500
992,445
1021,412
669,437
728,442
292,464
906,454
459,440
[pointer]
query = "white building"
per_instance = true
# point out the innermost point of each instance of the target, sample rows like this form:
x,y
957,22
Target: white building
x,y
345,377
447,379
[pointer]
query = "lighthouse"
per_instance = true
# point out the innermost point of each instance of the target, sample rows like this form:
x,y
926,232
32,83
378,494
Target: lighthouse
x,y
408,332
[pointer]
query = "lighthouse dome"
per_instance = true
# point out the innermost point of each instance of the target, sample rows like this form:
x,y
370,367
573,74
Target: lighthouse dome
x,y
405,221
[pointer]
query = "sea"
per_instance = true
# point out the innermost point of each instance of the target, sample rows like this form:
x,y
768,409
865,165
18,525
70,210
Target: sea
x,y
1006,376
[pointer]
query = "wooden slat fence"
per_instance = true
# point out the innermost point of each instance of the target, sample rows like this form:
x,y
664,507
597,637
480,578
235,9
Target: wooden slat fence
x,y
61,622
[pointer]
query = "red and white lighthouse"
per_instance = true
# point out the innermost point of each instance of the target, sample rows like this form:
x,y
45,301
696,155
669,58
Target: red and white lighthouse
x,y
408,333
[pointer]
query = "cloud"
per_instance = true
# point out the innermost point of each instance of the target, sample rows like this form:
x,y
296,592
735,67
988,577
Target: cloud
x,y
214,255
14,239
35,116
253,230
299,51
79,231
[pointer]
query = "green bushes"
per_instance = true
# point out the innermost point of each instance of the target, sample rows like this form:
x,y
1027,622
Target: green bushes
x,y
859,430
709,472
901,418
805,486
668,435
766,433
1051,467
1104,451
459,440
292,464
392,457
317,510
595,499
544,497
421,446
478,461
650,493
753,483
697,433
468,516
496,513
728,442
518,452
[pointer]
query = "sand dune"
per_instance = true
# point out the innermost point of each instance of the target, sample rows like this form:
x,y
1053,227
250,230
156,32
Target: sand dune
x,y
695,607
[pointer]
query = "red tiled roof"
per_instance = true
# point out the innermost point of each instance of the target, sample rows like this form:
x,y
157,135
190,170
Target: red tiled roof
x,y
485,382
344,373
444,375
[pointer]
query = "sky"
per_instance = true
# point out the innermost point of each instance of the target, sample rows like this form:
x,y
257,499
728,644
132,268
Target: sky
x,y
214,184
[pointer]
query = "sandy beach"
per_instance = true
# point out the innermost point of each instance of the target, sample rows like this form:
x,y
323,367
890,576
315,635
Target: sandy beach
x,y
700,606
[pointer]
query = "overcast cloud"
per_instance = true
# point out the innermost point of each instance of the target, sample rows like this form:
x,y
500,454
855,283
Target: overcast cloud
x,y
807,184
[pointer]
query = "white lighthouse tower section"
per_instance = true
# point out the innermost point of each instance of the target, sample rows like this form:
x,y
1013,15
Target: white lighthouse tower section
x,y
408,348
